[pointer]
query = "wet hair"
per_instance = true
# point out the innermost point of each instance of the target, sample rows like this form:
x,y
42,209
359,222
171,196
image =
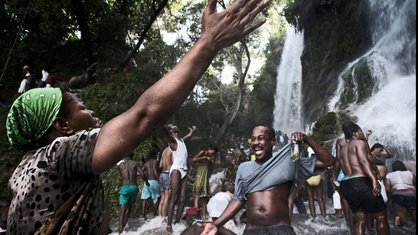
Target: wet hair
x,y
398,166
349,128
376,146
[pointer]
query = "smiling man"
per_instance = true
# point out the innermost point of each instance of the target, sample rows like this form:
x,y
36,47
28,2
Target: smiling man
x,y
265,184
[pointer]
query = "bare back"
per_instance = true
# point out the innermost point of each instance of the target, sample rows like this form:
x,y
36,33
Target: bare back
x,y
355,158
151,169
128,170
166,160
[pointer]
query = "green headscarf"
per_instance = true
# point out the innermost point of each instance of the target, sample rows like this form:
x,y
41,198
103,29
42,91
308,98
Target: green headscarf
x,y
31,115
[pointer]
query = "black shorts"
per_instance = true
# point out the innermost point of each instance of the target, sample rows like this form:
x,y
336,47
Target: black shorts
x,y
358,192
404,200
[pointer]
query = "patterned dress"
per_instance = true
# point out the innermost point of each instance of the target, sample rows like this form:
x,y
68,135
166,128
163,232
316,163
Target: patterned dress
x,y
54,190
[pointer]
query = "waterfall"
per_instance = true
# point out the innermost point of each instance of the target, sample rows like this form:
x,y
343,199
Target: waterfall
x,y
288,97
390,110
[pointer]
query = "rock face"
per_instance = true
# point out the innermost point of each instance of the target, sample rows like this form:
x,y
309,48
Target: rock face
x,y
335,32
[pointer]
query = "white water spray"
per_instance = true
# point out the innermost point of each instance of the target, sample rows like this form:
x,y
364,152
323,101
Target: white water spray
x,y
390,110
288,109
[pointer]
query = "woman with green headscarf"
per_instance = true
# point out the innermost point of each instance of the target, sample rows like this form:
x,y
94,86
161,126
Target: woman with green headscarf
x,y
57,188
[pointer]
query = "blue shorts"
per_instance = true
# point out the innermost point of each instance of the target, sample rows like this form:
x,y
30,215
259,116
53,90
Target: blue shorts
x,y
152,191
128,194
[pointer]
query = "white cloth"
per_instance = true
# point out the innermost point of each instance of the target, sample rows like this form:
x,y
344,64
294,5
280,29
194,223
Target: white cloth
x,y
24,86
180,158
400,180
217,203
45,75
383,191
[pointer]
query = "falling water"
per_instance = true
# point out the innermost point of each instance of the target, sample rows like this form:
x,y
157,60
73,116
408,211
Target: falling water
x,y
390,110
288,109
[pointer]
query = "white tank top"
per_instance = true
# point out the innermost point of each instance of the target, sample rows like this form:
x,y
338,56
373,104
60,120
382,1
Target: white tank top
x,y
180,158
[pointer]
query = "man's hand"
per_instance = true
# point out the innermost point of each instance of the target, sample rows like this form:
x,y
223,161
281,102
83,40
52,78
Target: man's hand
x,y
209,229
235,22
376,188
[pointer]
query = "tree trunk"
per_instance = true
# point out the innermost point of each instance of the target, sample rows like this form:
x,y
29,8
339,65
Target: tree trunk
x,y
232,114
85,37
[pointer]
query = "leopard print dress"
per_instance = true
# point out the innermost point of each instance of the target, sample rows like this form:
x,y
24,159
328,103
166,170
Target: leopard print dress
x,y
54,190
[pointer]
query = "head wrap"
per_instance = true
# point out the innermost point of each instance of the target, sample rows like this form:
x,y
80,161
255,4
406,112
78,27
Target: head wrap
x,y
31,115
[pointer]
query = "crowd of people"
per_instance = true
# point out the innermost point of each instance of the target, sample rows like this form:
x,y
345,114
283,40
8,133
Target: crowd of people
x,y
57,187
352,175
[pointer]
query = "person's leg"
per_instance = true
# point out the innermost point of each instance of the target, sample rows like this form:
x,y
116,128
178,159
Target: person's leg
x,y
204,207
320,197
382,225
196,202
156,206
413,215
166,202
347,214
175,178
180,205
122,215
400,215
311,200
359,223
144,208
161,204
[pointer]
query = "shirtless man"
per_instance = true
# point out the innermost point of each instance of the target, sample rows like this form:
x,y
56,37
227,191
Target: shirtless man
x,y
129,169
360,185
151,189
165,164
264,184
178,173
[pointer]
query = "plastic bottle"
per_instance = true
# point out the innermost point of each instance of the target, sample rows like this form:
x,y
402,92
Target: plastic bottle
x,y
295,149
336,199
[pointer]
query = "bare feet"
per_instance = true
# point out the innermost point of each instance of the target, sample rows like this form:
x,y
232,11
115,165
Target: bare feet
x,y
169,229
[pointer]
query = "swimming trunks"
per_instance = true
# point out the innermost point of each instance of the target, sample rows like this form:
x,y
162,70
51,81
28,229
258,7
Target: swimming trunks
x,y
358,192
151,191
275,230
128,194
164,181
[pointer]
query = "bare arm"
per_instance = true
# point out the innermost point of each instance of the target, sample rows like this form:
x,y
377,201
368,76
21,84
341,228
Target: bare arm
x,y
388,151
189,135
322,154
362,149
337,164
154,107
200,156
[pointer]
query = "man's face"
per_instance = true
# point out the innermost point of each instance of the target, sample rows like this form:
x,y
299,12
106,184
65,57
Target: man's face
x,y
262,143
174,130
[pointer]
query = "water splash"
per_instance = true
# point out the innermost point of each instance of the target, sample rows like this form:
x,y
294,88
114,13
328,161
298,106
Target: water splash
x,y
390,109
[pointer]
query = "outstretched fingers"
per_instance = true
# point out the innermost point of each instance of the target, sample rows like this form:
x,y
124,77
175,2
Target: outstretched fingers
x,y
253,9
